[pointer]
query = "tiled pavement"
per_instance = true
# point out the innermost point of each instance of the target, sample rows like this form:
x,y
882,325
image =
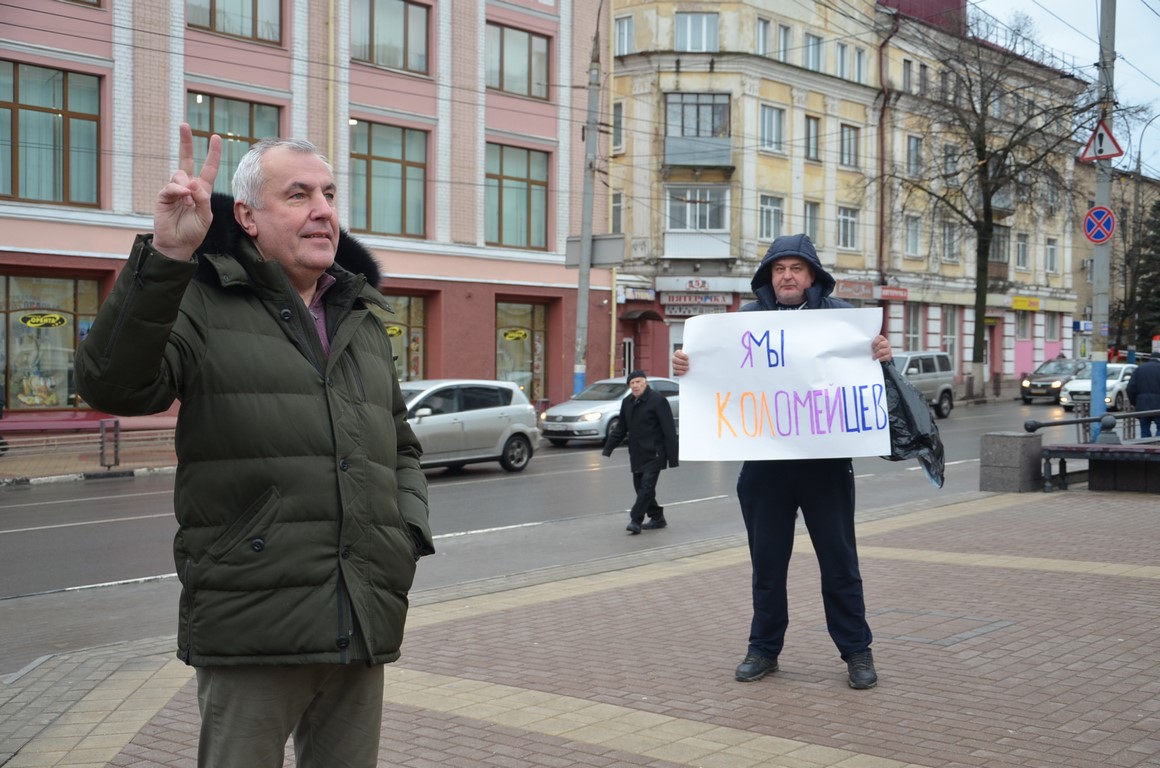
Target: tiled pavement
x,y
1010,630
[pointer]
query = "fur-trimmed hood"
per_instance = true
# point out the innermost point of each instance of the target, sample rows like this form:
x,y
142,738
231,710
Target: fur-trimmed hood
x,y
225,233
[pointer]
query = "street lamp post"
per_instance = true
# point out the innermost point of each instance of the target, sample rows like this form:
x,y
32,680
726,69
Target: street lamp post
x,y
1138,233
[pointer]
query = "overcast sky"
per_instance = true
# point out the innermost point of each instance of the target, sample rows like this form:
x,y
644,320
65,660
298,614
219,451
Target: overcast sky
x,y
1073,27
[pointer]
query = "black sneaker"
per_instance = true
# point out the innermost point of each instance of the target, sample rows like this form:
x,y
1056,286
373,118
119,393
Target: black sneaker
x,y
861,669
655,523
754,667
633,527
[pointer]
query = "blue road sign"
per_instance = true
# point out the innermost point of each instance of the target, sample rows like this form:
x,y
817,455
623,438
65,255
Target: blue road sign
x,y
1099,224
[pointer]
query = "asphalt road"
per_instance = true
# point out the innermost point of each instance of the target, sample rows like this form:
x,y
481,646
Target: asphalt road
x,y
88,563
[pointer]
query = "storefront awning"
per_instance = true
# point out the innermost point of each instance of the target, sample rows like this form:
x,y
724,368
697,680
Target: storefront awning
x,y
641,314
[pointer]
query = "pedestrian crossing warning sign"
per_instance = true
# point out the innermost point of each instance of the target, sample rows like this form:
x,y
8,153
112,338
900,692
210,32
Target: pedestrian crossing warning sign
x,y
1101,146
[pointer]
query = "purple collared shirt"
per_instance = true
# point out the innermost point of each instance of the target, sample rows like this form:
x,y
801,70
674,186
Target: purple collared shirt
x,y
318,311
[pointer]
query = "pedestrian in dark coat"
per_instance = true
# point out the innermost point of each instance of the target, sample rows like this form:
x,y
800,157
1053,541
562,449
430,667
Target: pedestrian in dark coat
x,y
791,277
652,445
1144,393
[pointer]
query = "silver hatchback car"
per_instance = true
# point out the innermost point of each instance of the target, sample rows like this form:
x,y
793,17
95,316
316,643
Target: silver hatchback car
x,y
467,421
591,414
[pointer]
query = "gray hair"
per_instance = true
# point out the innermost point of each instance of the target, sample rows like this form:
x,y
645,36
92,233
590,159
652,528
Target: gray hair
x,y
249,179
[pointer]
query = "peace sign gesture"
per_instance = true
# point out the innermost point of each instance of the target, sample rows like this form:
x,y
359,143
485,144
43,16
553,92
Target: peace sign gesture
x,y
181,216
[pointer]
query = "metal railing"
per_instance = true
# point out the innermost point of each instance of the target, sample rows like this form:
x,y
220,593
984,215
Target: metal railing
x,y
1107,422
44,454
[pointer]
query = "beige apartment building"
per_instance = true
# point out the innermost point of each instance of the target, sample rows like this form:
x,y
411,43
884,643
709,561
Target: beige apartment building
x,y
735,122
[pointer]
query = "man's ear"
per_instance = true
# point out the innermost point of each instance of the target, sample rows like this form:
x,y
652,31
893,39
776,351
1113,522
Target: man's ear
x,y
244,214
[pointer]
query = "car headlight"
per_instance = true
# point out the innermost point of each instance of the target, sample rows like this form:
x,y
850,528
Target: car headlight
x,y
1025,383
543,415
590,416
1056,384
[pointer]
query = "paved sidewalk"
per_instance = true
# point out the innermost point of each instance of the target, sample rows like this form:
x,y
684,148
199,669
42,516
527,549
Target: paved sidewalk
x,y
1010,630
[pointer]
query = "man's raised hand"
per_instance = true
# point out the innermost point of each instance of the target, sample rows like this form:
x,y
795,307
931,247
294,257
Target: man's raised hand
x,y
182,215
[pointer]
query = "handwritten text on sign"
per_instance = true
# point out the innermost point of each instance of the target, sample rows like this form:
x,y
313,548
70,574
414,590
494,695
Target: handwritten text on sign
x,y
783,385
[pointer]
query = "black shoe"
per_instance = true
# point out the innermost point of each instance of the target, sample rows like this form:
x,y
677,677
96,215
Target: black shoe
x,y
754,667
633,527
861,668
655,523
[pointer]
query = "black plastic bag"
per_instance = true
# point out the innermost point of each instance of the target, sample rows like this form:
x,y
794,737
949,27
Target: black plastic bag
x,y
913,433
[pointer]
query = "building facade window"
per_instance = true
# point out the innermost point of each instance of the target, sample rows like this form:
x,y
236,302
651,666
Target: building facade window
x,y
251,19
517,197
697,32
46,318
625,36
843,56
912,325
770,217
771,134
1000,245
521,346
407,330
812,53
697,209
618,126
240,124
1051,326
1052,255
950,333
517,61
912,228
1023,325
860,65
923,80
388,179
697,114
813,138
764,43
914,155
49,135
847,228
390,33
907,75
812,222
851,138
616,213
951,164
1022,251
950,242
784,42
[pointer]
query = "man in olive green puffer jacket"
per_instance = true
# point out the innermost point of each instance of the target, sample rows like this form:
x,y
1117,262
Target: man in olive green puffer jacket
x,y
299,499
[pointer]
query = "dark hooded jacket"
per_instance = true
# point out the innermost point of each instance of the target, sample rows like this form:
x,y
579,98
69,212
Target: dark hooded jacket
x,y
300,504
1144,386
817,295
652,433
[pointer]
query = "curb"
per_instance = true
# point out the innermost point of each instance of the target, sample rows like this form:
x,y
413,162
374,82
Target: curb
x,y
76,476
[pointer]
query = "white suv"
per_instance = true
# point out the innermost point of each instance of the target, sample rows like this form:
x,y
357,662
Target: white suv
x,y
932,374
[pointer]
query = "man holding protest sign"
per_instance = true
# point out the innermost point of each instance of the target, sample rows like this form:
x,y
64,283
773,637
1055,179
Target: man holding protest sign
x,y
791,277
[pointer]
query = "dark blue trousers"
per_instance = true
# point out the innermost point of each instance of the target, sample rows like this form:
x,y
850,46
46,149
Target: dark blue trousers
x,y
771,493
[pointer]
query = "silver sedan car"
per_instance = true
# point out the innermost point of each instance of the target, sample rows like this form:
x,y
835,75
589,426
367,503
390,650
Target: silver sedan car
x,y
592,413
467,421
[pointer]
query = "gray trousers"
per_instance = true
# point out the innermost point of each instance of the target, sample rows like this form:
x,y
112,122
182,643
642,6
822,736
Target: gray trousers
x,y
333,711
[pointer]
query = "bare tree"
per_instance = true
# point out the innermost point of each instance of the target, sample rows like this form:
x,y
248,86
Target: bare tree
x,y
995,131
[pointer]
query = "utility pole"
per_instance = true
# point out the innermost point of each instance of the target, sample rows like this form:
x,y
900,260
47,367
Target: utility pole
x,y
580,363
1101,262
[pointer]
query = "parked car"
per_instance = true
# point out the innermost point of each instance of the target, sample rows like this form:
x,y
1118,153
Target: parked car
x,y
467,421
932,374
1079,389
1048,379
592,413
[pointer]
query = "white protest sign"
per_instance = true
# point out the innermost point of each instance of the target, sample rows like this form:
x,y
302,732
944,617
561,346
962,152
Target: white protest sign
x,y
783,385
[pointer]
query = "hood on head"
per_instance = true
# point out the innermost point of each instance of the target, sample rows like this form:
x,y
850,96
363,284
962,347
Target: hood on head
x,y
225,232
791,245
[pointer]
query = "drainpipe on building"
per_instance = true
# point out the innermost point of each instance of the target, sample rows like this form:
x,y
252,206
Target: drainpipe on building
x,y
883,83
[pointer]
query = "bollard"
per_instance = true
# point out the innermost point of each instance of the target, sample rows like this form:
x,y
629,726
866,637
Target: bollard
x,y
996,381
110,433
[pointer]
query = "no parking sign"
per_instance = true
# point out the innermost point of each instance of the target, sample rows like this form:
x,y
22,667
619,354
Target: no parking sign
x,y
1099,224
